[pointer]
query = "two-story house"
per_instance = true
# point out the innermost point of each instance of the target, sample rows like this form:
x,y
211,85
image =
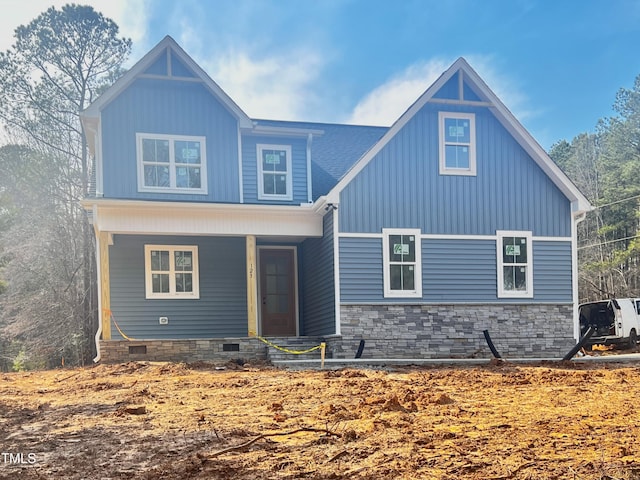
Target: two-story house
x,y
214,228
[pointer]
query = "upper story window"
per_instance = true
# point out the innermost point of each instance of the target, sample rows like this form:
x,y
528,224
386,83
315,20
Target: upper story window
x,y
274,172
457,139
402,263
515,264
171,271
171,163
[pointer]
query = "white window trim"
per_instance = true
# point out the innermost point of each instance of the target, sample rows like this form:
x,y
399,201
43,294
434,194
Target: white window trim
x,y
444,170
203,190
502,293
195,294
270,196
388,293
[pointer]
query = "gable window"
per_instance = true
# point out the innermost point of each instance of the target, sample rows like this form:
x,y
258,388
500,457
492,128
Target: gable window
x,y
274,172
515,264
457,141
171,271
401,262
171,163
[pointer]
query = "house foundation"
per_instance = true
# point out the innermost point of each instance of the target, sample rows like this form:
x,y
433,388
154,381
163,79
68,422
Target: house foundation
x,y
218,349
209,349
454,331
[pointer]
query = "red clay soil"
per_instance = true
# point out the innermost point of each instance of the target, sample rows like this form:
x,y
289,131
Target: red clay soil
x,y
177,421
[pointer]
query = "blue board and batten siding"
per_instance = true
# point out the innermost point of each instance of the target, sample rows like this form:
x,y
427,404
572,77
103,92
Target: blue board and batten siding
x,y
453,271
250,168
317,282
221,310
451,90
169,107
401,186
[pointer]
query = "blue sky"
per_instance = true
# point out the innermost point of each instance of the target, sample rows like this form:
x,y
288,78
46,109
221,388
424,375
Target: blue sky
x,y
556,64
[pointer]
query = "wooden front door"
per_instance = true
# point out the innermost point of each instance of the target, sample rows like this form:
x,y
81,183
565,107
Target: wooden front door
x,y
278,292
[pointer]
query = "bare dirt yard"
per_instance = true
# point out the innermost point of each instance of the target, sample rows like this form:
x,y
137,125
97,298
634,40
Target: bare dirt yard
x,y
182,421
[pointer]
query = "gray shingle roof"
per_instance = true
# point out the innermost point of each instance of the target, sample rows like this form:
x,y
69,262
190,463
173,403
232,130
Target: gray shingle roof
x,y
335,151
332,154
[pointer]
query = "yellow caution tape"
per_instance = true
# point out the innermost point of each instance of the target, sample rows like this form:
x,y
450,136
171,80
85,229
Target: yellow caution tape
x,y
286,350
271,344
111,317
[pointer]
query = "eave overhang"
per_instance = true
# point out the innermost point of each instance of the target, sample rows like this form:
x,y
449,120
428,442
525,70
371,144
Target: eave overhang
x,y
141,217
579,203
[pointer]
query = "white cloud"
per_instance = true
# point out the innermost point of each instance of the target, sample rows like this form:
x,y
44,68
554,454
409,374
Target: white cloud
x,y
277,87
386,103
505,86
132,18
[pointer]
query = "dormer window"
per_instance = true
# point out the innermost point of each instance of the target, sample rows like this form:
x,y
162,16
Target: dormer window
x,y
274,172
457,138
171,163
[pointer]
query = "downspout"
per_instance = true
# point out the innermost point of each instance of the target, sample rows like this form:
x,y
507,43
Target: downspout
x,y
99,332
574,272
309,189
99,179
240,176
336,267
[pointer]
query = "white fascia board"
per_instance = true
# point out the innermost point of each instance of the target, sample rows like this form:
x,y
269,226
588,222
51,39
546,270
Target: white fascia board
x,y
504,116
125,80
267,130
243,119
526,140
183,218
334,195
579,202
146,61
91,127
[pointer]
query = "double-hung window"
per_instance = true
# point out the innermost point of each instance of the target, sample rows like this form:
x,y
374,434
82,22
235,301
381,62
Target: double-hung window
x,y
171,163
402,263
171,271
457,142
515,264
274,172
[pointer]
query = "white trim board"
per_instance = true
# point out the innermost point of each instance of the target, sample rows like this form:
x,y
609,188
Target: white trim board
x,y
146,61
288,173
433,236
190,218
409,302
579,202
415,266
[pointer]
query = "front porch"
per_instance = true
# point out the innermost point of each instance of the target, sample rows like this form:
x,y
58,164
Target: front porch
x,y
245,270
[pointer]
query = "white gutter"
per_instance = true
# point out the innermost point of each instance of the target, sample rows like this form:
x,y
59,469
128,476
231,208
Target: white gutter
x,y
288,131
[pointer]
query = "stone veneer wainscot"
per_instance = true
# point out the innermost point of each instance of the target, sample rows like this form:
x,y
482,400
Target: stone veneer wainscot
x,y
454,331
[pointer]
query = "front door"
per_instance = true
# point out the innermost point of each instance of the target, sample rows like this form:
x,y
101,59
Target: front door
x,y
277,291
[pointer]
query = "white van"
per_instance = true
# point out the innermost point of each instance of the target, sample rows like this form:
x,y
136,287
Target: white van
x,y
616,321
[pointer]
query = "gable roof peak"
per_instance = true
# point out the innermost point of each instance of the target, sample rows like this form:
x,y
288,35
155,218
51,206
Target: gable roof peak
x,y
487,99
93,110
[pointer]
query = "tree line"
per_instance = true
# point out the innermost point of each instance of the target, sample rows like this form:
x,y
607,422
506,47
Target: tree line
x,y
63,59
605,166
